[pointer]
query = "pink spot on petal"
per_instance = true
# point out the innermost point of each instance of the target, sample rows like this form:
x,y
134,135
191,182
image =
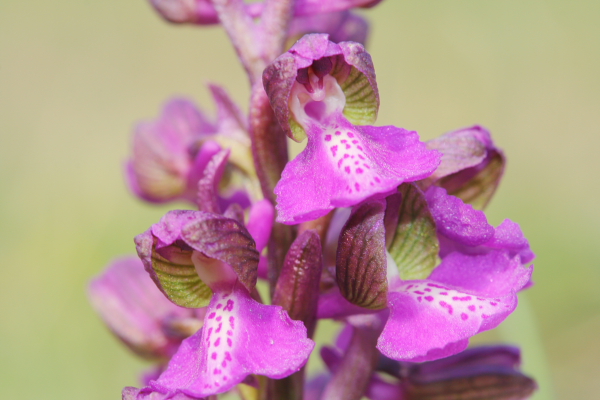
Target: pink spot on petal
x,y
350,134
219,306
327,138
409,286
484,316
229,342
471,308
334,150
219,318
219,328
361,157
228,356
217,371
348,147
346,155
446,306
493,304
344,141
229,305
360,148
338,133
419,298
229,333
217,342
464,298
419,292
429,298
214,355
359,170
231,321
357,186
428,290
212,315
224,364
444,293
376,178
347,169
354,141
464,316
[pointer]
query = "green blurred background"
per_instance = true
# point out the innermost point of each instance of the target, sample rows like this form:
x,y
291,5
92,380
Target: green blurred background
x,y
76,75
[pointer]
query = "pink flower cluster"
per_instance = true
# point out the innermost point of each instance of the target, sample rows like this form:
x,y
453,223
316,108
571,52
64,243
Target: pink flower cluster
x,y
368,225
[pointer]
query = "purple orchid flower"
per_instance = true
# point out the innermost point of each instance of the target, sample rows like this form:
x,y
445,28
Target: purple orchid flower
x,y
138,313
202,12
328,92
196,258
170,154
472,290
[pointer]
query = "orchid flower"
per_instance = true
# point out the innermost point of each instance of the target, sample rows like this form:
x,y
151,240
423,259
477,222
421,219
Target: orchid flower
x,y
203,259
170,154
138,313
328,92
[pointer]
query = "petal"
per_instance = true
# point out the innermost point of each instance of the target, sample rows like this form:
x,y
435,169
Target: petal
x,y
346,164
476,184
208,185
135,310
429,320
460,150
456,220
509,236
161,159
260,222
240,337
341,26
361,262
490,275
414,244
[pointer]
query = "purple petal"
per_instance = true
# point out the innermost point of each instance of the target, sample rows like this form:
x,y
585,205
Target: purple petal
x,y
161,160
429,320
208,185
136,311
361,262
456,220
494,274
341,26
260,222
333,305
240,337
460,149
474,184
343,166
508,236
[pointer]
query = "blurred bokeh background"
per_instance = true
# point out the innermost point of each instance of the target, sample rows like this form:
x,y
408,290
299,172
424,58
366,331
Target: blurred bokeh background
x,y
76,75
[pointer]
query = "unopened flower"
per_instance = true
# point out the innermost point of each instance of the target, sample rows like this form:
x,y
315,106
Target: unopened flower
x,y
170,154
138,313
328,92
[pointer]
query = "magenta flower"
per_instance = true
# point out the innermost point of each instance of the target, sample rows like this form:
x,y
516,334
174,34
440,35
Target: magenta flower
x,y
196,258
472,290
202,12
138,313
170,154
328,92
